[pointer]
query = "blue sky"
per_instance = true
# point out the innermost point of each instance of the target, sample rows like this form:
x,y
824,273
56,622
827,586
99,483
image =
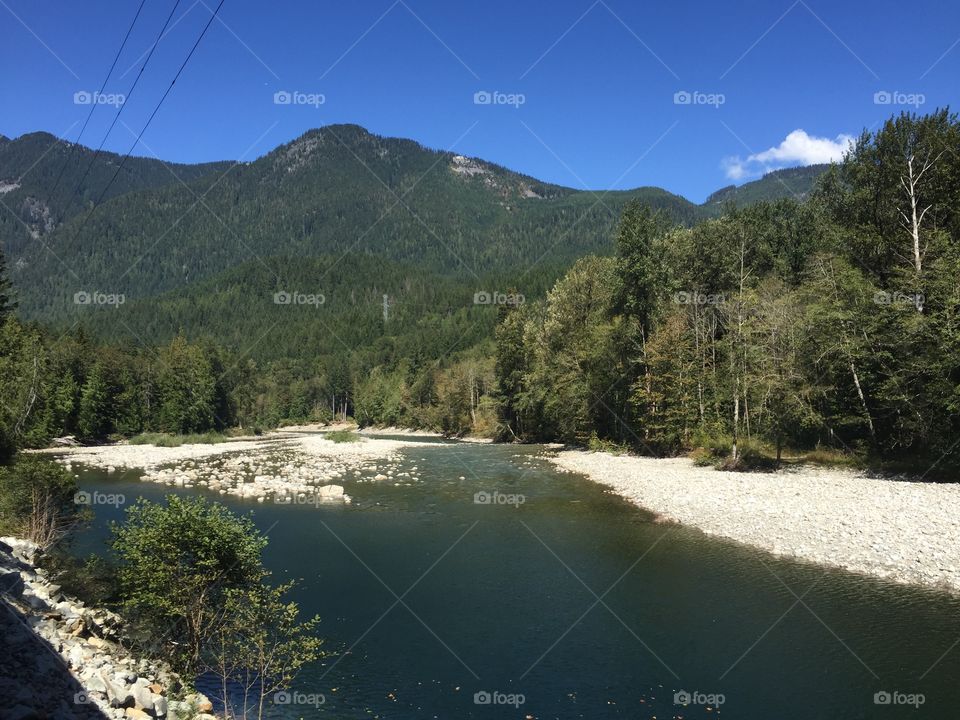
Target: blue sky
x,y
587,91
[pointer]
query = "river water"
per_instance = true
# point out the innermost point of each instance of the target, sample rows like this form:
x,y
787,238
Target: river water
x,y
560,600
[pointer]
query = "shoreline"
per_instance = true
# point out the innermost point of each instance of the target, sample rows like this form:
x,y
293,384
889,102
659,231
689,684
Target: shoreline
x,y
896,530
307,468
67,659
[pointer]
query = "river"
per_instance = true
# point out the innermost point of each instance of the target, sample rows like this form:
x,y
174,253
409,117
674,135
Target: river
x,y
561,600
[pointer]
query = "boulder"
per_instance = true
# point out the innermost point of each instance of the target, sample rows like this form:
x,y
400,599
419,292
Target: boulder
x,y
24,550
118,695
142,697
330,492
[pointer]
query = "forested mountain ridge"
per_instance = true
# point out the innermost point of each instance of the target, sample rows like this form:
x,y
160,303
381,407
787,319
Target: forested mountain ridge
x,y
336,189
45,181
828,323
795,182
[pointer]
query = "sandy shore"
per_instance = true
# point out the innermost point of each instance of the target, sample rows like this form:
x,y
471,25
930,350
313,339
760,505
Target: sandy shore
x,y
288,469
908,532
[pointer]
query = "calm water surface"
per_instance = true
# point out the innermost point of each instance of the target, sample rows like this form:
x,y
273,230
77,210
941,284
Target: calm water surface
x,y
577,601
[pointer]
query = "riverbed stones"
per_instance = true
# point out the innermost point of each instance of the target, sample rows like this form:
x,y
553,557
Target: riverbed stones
x,y
892,529
288,466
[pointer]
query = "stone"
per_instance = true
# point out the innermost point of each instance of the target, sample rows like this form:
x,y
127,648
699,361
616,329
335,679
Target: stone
x,y
142,697
95,683
201,702
118,695
11,583
177,709
136,714
37,603
159,706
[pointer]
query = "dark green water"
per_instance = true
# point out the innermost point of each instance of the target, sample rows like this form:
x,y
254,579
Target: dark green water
x,y
504,599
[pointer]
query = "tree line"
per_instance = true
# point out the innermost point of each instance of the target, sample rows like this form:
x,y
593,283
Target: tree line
x,y
825,323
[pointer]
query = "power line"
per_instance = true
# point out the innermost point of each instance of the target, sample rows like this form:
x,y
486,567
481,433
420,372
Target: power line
x,y
150,119
76,190
93,105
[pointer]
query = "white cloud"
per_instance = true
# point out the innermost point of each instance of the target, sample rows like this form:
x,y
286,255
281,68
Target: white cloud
x,y
798,148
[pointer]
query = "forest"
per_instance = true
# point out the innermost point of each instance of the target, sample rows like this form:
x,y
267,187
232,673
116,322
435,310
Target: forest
x,y
827,321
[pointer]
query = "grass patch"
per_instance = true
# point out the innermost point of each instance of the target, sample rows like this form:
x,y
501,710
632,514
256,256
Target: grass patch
x,y
168,440
342,436
830,458
596,444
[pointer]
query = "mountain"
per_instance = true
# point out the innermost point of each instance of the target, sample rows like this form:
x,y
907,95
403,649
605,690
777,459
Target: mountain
x,y
795,182
326,307
338,211
334,190
36,204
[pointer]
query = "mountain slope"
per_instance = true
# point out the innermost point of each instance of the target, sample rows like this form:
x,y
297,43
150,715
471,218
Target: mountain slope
x,y
796,183
334,190
36,204
323,307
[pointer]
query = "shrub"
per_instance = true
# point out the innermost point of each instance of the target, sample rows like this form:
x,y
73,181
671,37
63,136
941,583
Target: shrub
x,y
37,500
341,436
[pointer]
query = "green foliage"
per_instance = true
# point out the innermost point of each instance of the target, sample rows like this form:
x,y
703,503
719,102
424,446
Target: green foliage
x,y
7,302
167,440
92,579
177,565
190,577
94,421
21,361
342,436
780,322
830,324
797,183
37,500
259,647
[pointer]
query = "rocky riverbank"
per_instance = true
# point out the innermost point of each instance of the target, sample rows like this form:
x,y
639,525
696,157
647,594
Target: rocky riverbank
x,y
62,659
297,468
898,530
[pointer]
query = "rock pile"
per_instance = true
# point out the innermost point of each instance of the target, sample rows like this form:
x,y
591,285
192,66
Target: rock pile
x,y
63,659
